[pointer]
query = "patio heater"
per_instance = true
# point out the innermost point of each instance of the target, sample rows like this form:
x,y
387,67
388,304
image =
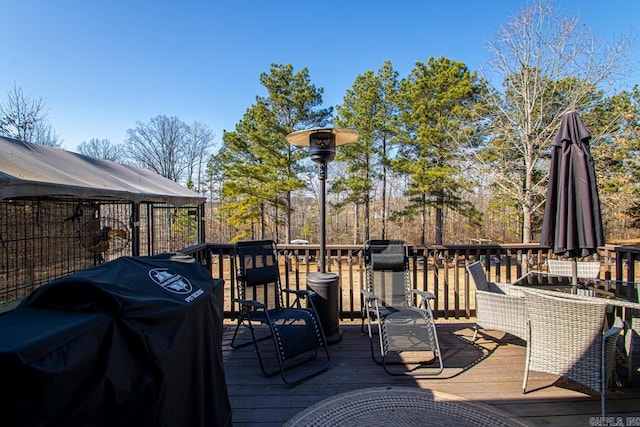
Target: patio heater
x,y
322,143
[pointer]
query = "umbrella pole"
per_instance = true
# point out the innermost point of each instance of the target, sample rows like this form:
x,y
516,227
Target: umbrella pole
x,y
574,274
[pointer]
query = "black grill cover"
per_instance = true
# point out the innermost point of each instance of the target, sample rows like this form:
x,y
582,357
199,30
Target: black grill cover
x,y
132,342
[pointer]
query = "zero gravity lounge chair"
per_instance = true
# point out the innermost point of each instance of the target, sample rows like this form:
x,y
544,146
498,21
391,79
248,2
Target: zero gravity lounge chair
x,y
402,326
294,331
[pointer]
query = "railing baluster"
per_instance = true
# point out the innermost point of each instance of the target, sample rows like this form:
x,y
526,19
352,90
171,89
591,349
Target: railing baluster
x,y
439,269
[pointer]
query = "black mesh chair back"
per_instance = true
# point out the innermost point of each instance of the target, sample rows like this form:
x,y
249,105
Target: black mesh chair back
x,y
388,272
258,272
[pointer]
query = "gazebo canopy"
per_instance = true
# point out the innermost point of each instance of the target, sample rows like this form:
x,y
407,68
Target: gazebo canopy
x,y
32,170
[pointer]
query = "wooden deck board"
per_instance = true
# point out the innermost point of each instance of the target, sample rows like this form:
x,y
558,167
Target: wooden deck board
x,y
495,380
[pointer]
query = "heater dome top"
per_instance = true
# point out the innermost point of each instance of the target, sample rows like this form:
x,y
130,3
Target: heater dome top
x,y
302,138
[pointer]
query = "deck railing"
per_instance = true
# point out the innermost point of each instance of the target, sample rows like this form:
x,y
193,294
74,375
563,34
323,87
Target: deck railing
x,y
439,269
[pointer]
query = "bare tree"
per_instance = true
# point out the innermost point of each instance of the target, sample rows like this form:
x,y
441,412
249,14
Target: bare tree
x,y
24,117
160,146
102,149
548,64
197,150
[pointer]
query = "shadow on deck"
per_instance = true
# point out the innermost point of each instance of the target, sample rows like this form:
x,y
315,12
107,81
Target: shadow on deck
x,y
489,373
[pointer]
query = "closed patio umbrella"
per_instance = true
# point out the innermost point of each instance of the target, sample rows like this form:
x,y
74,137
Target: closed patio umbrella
x,y
572,223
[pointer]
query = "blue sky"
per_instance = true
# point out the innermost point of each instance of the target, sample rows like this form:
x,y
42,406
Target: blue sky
x,y
102,66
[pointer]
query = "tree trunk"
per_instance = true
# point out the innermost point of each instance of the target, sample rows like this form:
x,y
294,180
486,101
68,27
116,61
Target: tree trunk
x,y
383,231
527,202
263,221
356,224
526,222
439,221
287,219
276,227
423,220
366,219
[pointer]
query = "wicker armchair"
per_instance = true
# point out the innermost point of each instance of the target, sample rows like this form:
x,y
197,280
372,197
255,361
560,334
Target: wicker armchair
x,y
566,339
585,269
499,306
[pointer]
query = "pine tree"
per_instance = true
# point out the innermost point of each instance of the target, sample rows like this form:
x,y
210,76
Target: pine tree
x,y
260,168
371,108
439,99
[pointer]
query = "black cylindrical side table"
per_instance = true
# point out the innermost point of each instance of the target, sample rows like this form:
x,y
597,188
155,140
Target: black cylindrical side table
x,y
327,289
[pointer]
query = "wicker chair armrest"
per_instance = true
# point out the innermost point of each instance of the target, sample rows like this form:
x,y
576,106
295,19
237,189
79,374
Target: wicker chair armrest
x,y
500,298
509,289
613,332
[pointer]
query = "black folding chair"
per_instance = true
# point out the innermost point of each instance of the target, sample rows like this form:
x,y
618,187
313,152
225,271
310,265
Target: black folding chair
x,y
403,326
295,330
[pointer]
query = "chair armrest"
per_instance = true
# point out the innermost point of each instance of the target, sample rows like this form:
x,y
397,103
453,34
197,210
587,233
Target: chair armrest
x,y
424,294
305,293
614,331
610,339
249,303
509,289
494,296
368,295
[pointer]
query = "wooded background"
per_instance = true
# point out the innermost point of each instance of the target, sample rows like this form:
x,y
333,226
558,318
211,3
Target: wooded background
x,y
446,154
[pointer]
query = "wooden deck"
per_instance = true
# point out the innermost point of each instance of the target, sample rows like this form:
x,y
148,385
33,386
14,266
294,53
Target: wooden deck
x,y
490,373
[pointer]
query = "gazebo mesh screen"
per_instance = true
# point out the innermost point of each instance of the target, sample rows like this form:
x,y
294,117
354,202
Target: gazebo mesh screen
x,y
46,238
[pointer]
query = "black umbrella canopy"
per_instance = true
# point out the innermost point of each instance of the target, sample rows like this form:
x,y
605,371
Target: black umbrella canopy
x,y
572,224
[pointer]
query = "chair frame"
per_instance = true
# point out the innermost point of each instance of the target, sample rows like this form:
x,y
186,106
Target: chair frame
x,y
275,314
499,306
377,312
567,338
